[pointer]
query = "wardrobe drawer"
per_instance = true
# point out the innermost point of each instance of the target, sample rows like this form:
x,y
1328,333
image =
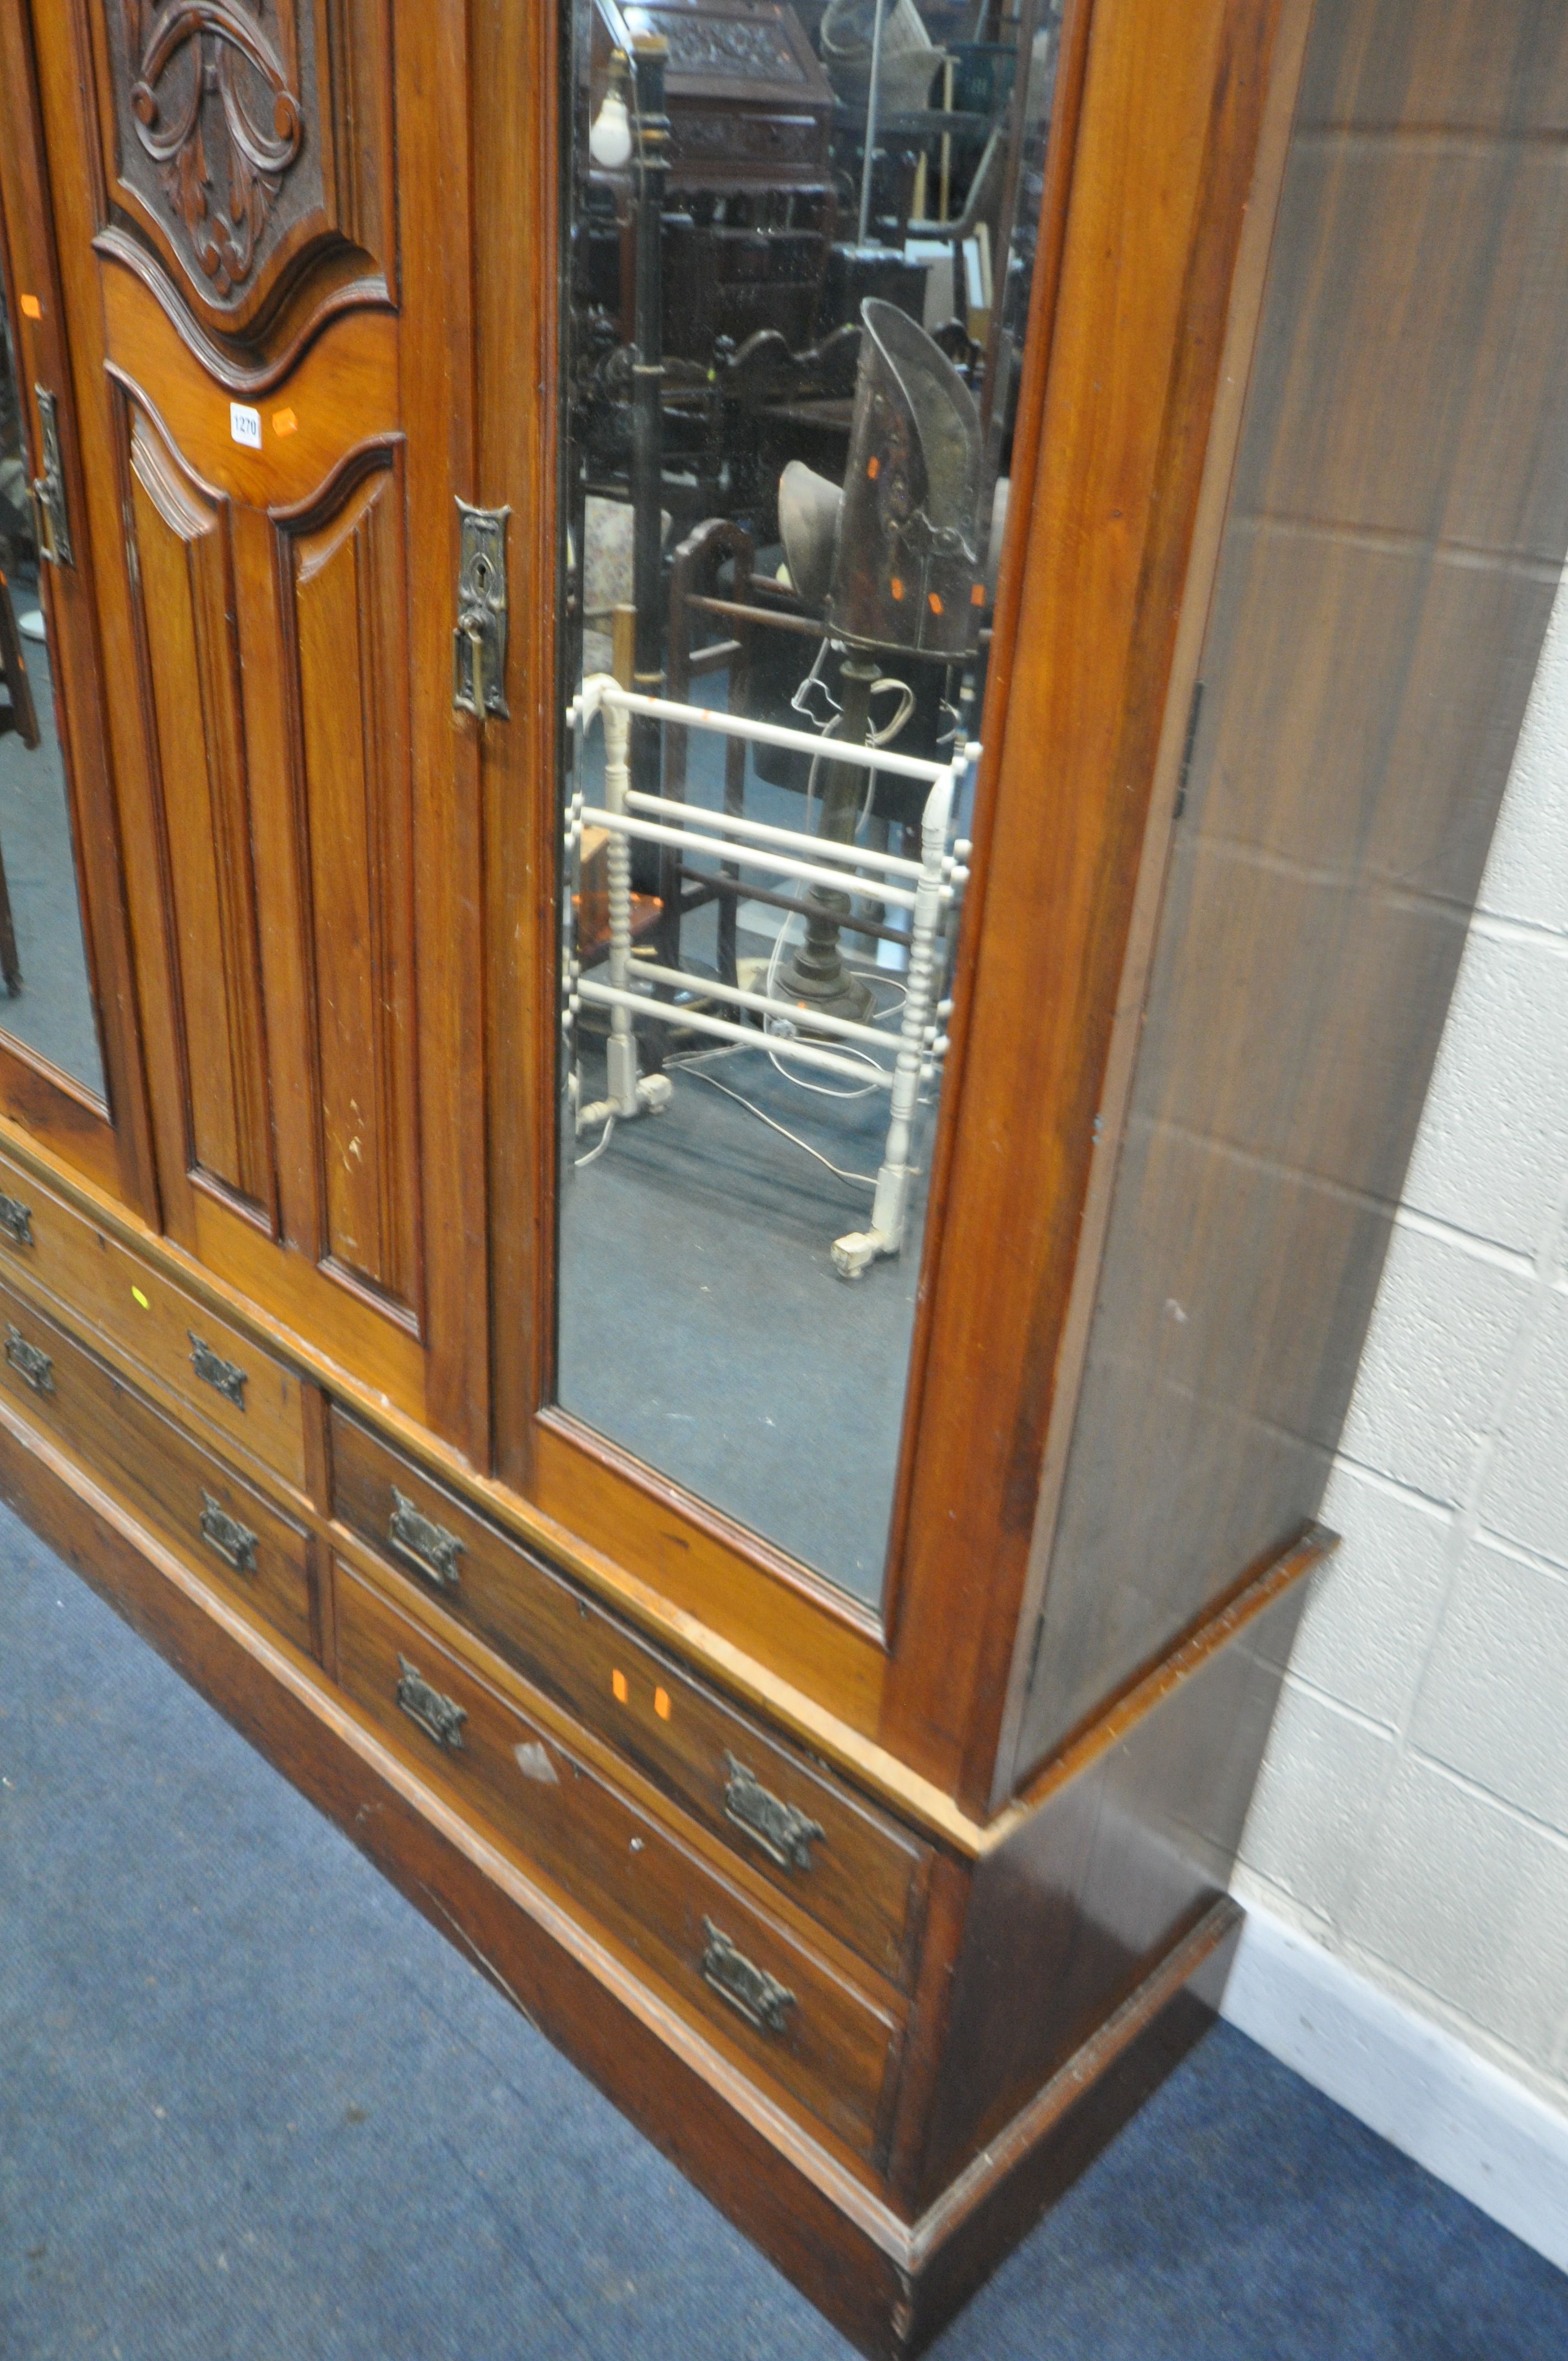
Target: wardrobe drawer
x,y
853,1871
722,1961
220,1524
237,1390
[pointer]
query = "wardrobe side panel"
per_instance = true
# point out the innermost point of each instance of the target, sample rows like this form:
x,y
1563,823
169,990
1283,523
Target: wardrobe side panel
x,y
1133,1842
1395,533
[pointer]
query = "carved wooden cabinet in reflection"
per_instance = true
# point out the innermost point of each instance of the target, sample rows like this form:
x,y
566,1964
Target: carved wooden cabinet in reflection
x,y
753,204
713,1291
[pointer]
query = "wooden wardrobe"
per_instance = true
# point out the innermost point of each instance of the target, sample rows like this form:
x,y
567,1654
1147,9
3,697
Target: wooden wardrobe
x,y
877,1880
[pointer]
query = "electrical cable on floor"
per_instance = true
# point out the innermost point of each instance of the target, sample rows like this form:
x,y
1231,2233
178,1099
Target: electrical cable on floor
x,y
693,1063
605,1136
688,1066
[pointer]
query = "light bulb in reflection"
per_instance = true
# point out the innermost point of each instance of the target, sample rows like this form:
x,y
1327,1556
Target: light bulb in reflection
x,y
610,141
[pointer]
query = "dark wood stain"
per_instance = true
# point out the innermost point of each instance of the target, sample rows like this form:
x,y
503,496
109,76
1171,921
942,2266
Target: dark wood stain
x,y
1190,1046
1127,1852
866,1876
1397,526
834,2049
166,1481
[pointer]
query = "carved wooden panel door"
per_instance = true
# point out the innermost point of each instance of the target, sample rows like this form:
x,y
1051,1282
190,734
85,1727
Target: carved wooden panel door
x,y
263,211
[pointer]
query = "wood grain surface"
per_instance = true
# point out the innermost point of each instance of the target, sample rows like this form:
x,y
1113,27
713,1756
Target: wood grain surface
x,y
299,803
864,1875
1398,525
137,1310
166,1481
1204,964
889,2278
832,2048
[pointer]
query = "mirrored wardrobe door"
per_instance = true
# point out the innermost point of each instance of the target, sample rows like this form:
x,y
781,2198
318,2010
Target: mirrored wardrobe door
x,y
797,250
68,1065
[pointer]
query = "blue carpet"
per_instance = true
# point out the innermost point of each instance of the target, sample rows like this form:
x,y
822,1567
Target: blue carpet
x,y
251,2106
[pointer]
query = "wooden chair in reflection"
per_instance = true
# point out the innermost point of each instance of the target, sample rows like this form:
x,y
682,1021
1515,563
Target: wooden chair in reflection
x,y
20,715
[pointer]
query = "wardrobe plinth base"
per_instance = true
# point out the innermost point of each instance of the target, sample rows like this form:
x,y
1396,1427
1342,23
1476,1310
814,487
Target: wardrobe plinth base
x,y
889,2284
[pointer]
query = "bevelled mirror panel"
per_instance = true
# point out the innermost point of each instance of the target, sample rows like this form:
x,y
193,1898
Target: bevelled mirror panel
x,y
45,996
799,243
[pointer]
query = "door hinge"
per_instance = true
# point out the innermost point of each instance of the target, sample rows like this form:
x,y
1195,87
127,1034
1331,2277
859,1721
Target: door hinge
x,y
49,490
479,640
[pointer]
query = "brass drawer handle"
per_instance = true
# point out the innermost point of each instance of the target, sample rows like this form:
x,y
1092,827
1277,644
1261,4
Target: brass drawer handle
x,y
784,1834
234,1543
441,1718
28,1362
428,1546
224,1377
17,1221
761,2000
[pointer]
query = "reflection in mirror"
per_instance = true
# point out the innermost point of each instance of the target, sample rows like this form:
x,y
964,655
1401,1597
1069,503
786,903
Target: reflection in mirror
x,y
800,243
46,1000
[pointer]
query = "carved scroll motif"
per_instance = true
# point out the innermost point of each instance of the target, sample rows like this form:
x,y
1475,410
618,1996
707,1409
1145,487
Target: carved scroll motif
x,y
203,71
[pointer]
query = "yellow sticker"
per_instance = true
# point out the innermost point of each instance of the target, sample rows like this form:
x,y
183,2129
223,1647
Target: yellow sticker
x,y
284,422
31,308
141,1298
617,1685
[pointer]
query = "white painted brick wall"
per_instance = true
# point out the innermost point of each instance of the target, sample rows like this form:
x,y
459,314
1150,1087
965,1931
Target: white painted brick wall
x,y
1412,1814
